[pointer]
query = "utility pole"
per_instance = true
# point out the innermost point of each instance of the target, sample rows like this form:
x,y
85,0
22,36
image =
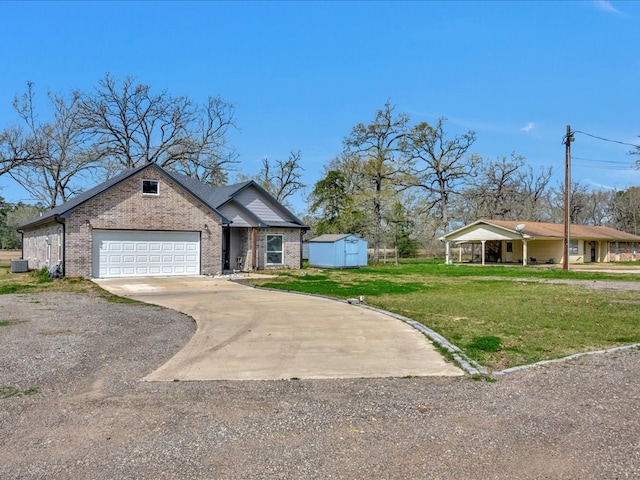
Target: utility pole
x,y
567,188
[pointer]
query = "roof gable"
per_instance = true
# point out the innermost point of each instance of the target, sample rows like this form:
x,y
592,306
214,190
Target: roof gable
x,y
253,204
252,201
240,216
67,207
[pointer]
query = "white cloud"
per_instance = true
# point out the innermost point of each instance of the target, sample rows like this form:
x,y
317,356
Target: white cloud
x,y
528,127
607,6
601,186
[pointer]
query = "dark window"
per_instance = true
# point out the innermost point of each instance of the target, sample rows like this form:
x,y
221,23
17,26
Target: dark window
x,y
150,187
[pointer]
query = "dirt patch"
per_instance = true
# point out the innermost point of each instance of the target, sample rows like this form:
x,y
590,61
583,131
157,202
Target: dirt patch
x,y
591,284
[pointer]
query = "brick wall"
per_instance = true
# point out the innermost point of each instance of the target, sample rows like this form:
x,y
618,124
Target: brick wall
x,y
622,252
124,207
291,247
42,247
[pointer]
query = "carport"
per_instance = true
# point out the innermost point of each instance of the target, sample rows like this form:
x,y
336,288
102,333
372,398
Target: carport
x,y
514,242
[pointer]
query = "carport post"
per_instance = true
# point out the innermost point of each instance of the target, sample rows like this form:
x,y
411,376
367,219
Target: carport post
x,y
524,253
447,251
482,257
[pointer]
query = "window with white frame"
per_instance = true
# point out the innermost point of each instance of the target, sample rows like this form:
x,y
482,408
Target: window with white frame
x,y
573,247
150,187
275,245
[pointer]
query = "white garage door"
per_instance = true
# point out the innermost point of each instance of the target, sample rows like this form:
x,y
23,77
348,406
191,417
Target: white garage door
x,y
122,253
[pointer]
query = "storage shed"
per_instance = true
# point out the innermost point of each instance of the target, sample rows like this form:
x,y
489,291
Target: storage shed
x,y
338,251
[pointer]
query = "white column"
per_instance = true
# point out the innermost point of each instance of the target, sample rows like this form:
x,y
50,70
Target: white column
x,y
525,253
446,257
482,255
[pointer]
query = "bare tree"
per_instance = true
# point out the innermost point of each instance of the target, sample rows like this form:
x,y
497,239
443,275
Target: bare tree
x,y
131,126
282,178
379,145
13,149
579,200
625,209
53,157
439,166
536,191
497,187
505,188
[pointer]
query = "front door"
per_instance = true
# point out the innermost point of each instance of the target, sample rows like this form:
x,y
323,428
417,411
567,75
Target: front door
x,y
351,252
593,251
509,254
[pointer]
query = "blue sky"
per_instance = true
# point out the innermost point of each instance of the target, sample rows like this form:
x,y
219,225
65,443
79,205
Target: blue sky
x,y
302,74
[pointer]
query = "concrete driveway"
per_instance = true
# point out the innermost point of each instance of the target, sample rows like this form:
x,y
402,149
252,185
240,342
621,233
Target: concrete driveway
x,y
246,333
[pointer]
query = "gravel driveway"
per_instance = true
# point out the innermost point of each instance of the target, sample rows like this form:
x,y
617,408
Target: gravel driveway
x,y
92,417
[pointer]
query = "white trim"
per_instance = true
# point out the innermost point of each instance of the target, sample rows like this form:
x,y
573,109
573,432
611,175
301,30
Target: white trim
x,y
157,183
267,251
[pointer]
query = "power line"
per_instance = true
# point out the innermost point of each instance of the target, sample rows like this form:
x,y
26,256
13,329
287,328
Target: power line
x,y
604,167
606,139
614,162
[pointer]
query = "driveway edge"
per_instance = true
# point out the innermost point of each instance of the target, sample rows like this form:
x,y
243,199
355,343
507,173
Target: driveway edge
x,y
565,359
467,364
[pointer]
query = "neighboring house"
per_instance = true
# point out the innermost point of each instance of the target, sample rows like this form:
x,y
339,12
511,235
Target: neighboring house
x,y
150,221
337,251
503,241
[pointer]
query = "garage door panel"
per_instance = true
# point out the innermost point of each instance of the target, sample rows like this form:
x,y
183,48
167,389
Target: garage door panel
x,y
120,253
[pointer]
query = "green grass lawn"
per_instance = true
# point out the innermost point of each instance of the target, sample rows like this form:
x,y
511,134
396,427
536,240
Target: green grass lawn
x,y
500,316
39,281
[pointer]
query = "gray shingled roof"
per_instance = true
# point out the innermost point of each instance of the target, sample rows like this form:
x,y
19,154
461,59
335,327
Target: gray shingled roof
x,y
213,197
218,196
330,237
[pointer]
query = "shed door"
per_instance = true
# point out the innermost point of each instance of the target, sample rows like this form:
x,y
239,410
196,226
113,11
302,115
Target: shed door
x,y
124,253
351,252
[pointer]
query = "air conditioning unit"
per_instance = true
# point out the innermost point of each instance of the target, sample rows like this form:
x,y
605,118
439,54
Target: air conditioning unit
x,y
19,266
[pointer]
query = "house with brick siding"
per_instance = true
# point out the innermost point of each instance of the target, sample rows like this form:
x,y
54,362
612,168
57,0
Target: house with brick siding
x,y
507,241
150,221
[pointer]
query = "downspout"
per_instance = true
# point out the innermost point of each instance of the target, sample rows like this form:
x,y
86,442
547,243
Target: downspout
x,y
64,243
21,232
